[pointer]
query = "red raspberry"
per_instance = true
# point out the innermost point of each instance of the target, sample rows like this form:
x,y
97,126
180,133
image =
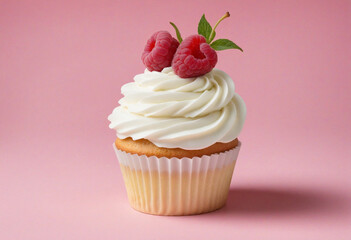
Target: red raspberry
x,y
194,57
159,51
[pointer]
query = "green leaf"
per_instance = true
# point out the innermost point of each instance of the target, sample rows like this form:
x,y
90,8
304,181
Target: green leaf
x,y
204,28
223,44
180,39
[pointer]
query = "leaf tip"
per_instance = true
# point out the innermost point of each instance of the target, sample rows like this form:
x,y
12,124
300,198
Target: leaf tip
x,y
180,39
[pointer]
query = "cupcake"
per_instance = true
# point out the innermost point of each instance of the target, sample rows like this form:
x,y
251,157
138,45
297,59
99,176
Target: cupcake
x,y
178,125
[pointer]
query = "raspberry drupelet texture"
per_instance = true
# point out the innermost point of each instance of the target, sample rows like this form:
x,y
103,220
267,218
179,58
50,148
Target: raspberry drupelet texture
x,y
194,57
159,51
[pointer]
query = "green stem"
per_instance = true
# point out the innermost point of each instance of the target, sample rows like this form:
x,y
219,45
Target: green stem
x,y
226,15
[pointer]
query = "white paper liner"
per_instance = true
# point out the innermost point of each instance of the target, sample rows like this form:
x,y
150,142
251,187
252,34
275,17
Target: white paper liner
x,y
173,186
164,164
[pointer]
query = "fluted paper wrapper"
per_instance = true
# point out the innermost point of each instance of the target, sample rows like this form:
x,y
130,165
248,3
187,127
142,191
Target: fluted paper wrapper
x,y
177,186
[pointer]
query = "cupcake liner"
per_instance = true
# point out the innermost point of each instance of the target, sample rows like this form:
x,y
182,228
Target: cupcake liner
x,y
177,186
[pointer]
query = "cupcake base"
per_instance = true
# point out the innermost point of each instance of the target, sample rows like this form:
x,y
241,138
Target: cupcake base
x,y
177,186
175,193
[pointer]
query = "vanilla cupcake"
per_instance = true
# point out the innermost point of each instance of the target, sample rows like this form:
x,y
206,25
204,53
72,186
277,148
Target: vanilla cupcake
x,y
177,136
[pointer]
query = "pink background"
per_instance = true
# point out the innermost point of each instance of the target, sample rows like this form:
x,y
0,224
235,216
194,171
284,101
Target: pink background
x,y
62,64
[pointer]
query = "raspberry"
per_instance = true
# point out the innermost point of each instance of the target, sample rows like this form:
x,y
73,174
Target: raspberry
x,y
159,51
194,57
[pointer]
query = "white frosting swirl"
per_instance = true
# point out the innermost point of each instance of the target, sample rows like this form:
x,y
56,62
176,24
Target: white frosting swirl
x,y
174,112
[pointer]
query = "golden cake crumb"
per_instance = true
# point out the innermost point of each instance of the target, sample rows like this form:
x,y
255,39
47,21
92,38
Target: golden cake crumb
x,y
145,147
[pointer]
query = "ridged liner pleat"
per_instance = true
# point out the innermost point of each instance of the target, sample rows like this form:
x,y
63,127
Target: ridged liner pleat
x,y
173,186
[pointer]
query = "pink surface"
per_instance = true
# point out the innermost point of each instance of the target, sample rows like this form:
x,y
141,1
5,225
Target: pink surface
x,y
62,64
